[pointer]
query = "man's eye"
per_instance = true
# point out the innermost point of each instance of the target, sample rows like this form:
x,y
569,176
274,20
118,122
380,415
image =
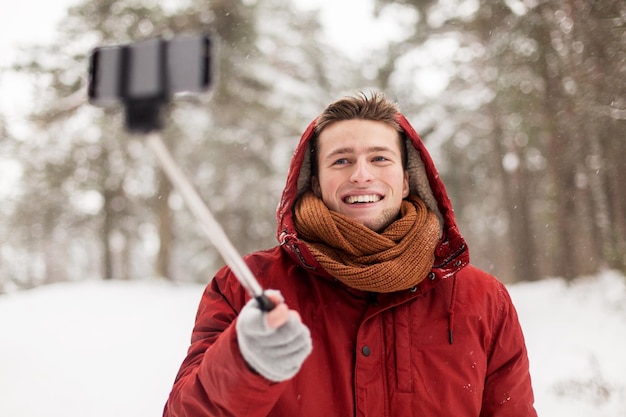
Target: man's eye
x,y
341,161
379,159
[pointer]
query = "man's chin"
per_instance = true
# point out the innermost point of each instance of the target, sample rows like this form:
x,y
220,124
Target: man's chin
x,y
379,224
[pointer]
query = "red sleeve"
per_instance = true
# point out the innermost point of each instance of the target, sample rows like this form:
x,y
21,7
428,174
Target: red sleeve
x,y
508,391
214,379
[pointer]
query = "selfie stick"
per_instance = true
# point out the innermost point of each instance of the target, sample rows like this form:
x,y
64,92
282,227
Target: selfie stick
x,y
210,226
142,115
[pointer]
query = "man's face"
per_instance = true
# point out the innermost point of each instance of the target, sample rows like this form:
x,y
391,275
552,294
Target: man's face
x,y
360,172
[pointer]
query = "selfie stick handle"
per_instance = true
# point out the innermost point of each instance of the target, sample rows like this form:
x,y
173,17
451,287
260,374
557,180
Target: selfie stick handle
x,y
210,226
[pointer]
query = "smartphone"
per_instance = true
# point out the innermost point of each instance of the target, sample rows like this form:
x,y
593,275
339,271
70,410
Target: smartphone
x,y
149,70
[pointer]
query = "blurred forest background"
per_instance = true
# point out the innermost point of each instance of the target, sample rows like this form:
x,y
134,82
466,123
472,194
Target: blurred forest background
x,y
527,131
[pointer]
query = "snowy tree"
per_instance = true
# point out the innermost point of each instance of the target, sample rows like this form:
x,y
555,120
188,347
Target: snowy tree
x,y
533,103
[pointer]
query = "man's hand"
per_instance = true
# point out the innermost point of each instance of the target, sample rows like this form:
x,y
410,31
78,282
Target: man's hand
x,y
275,344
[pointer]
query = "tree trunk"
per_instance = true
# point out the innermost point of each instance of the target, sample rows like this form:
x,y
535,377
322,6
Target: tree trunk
x,y
557,154
517,197
107,227
162,266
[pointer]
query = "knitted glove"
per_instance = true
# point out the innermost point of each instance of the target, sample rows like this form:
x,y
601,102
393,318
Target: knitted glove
x,y
277,354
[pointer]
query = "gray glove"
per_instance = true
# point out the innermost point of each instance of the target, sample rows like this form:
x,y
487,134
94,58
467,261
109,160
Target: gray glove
x,y
276,354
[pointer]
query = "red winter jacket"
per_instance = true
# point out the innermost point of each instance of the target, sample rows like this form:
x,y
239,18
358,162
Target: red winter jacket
x,y
450,347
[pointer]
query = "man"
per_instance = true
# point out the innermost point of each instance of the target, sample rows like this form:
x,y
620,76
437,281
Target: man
x,y
379,311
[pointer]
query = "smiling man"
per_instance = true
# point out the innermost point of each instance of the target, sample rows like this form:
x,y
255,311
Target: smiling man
x,y
379,312
361,172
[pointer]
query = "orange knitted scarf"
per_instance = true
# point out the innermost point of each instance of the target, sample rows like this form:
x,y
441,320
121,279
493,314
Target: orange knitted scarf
x,y
396,259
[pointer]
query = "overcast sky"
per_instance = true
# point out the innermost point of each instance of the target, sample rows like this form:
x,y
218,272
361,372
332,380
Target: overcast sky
x,y
29,21
24,22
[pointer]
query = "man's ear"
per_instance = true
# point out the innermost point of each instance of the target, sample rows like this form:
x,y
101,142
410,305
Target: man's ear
x,y
315,186
406,187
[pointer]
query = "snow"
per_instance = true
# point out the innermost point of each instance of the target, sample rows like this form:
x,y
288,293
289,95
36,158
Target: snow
x,y
102,348
576,338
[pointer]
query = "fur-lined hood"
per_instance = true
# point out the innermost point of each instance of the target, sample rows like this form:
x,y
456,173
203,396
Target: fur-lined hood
x,y
424,180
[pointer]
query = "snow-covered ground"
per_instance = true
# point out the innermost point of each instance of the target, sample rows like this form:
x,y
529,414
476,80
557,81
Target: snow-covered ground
x,y
113,348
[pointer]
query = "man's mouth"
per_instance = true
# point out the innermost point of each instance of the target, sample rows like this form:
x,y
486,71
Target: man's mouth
x,y
362,199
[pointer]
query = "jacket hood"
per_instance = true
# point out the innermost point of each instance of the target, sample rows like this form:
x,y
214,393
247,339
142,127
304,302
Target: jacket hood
x,y
451,252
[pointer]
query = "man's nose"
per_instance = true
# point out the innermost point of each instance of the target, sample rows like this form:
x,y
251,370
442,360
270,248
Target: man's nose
x,y
361,172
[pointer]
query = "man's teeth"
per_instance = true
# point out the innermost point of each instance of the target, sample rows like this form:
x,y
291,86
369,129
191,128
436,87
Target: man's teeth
x,y
362,199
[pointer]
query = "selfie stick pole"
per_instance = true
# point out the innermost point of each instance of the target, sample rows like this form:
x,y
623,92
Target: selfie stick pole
x,y
210,226
143,76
